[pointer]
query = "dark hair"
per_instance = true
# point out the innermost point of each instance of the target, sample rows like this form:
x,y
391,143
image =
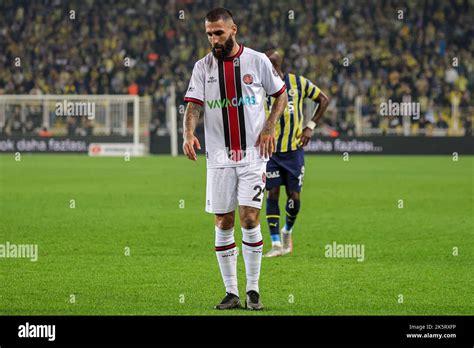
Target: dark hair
x,y
219,13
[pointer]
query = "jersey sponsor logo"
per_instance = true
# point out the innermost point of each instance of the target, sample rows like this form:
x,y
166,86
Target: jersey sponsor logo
x,y
273,175
225,103
248,79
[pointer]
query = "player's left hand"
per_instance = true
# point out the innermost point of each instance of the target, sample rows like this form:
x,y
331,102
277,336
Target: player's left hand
x,y
305,137
266,141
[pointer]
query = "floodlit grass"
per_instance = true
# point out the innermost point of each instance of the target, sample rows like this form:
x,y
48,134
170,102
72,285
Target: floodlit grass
x,y
172,268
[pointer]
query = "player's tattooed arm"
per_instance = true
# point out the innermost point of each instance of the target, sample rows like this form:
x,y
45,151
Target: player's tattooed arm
x,y
190,120
323,101
266,139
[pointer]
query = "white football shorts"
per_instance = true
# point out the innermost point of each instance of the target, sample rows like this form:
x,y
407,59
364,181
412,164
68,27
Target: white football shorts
x,y
231,186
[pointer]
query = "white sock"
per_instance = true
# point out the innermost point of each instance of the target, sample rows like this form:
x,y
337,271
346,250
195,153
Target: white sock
x,y
226,253
252,246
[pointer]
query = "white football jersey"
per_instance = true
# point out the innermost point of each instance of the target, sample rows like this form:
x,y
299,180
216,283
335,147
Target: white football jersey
x,y
233,92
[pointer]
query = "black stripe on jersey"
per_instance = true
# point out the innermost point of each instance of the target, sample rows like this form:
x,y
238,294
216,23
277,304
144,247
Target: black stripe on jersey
x,y
300,100
293,114
225,117
282,118
238,88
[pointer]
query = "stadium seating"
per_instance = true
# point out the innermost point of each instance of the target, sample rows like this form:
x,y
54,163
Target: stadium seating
x,y
423,56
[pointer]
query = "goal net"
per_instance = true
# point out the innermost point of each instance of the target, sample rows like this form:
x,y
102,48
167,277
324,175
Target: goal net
x,y
113,118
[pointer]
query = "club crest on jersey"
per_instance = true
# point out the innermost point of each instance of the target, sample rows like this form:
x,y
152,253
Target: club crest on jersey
x,y
248,79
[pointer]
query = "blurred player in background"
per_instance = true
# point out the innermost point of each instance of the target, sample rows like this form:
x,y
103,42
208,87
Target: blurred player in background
x,y
286,166
231,82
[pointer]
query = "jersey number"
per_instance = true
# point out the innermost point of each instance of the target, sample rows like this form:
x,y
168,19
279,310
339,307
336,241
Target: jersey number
x,y
257,198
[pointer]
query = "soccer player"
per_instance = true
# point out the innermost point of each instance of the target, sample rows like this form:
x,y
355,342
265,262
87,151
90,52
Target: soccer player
x,y
286,166
230,84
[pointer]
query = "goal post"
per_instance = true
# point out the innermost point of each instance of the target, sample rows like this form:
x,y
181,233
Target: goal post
x,y
172,120
125,115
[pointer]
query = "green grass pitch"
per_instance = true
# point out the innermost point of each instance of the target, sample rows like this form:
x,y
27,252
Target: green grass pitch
x,y
172,268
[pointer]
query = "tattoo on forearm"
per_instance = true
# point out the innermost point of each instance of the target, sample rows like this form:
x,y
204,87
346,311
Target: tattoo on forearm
x,y
278,107
191,117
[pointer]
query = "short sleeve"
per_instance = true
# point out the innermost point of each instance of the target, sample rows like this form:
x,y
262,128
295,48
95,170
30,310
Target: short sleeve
x,y
311,91
271,81
195,92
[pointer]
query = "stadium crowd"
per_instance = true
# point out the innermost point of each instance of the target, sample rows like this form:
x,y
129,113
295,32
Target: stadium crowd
x,y
376,49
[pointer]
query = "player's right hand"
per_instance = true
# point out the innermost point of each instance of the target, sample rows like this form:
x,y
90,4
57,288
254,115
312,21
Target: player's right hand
x,y
266,141
188,146
305,137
